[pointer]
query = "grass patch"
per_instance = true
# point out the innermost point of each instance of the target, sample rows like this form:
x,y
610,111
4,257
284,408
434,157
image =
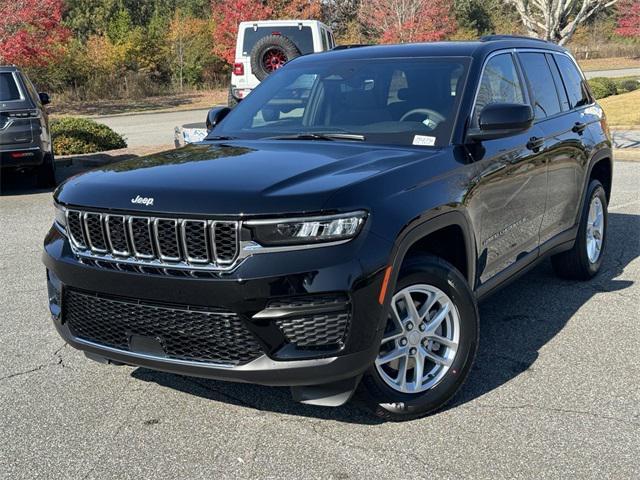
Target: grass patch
x,y
609,63
623,109
80,135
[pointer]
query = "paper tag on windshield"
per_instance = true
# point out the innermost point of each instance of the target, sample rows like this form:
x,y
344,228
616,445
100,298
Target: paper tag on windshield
x,y
424,140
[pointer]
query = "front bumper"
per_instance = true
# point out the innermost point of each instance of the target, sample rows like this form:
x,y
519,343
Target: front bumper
x,y
354,270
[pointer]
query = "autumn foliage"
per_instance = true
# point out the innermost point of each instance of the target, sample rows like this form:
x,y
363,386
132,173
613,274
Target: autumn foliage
x,y
397,21
31,32
227,15
629,18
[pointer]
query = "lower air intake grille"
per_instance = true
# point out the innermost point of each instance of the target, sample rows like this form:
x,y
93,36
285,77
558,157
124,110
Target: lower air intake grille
x,y
315,330
314,322
185,333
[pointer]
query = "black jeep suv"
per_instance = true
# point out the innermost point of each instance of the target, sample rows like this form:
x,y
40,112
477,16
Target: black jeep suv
x,y
25,140
341,223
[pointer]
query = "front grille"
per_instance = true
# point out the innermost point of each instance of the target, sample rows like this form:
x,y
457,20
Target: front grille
x,y
313,322
184,332
160,242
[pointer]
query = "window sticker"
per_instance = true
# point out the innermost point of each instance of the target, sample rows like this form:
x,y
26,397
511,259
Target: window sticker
x,y
424,140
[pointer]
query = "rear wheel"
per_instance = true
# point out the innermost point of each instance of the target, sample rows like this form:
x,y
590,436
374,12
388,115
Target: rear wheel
x,y
46,173
583,261
429,343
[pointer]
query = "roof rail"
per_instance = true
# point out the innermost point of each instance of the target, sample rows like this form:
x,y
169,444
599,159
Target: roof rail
x,y
354,45
491,38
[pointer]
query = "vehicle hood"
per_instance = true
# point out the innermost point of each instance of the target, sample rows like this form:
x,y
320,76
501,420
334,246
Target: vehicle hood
x,y
239,177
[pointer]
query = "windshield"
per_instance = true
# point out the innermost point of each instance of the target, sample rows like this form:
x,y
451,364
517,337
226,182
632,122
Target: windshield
x,y
396,101
8,88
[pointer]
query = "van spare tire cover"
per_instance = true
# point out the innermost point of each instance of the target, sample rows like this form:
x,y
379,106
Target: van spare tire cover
x,y
270,53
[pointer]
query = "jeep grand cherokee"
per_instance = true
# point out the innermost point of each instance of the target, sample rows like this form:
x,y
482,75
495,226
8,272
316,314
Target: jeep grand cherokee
x,y
340,225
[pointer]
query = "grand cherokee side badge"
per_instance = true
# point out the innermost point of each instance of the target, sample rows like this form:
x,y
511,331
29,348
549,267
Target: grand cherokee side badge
x,y
147,201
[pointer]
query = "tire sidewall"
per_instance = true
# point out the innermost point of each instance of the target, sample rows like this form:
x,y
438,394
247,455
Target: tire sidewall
x,y
263,45
431,271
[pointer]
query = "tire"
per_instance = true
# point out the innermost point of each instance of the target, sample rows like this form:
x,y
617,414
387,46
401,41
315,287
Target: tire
x,y
270,53
579,263
46,173
231,100
433,274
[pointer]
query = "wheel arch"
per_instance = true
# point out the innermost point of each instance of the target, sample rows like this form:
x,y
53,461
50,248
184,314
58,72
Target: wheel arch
x,y
422,229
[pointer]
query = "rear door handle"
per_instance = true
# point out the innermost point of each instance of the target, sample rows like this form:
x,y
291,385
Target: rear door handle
x,y
535,143
579,127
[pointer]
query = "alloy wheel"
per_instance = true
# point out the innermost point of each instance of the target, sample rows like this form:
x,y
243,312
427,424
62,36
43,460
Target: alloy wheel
x,y
420,340
595,229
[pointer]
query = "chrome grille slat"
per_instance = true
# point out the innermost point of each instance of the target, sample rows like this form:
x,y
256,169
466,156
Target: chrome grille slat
x,y
154,242
95,232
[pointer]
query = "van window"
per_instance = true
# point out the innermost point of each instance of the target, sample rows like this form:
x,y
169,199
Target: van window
x,y
573,82
8,88
500,83
545,96
302,37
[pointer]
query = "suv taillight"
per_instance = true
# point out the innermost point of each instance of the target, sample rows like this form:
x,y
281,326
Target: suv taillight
x,y
238,69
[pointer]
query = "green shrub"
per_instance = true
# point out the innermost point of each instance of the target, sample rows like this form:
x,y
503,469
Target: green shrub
x,y
80,135
603,87
627,85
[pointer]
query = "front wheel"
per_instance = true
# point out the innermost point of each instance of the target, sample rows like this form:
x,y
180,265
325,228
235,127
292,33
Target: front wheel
x,y
429,342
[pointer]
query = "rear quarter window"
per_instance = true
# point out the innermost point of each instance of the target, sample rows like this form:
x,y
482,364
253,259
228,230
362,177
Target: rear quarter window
x,y
575,85
8,88
302,37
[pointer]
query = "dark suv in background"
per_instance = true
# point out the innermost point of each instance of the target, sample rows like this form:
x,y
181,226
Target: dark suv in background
x,y
341,223
25,140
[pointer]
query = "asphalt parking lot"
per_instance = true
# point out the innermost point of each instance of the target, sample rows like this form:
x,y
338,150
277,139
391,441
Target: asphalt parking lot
x,y
554,392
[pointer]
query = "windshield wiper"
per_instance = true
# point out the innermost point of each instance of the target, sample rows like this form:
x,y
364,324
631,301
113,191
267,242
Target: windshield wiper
x,y
321,136
218,137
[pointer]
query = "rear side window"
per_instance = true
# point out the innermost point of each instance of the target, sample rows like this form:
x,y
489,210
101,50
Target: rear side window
x,y
544,92
300,36
576,89
8,88
500,83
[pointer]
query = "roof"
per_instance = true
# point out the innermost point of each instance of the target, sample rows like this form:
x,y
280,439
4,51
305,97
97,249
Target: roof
x,y
8,68
478,48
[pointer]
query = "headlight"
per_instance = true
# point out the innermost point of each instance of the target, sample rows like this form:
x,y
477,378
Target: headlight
x,y
298,231
60,216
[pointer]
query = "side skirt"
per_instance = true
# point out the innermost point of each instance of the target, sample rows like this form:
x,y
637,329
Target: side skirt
x,y
560,243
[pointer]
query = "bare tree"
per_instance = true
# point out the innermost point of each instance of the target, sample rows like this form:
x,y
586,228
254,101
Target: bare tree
x,y
557,20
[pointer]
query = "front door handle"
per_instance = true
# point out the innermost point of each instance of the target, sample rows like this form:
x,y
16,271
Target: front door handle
x,y
535,143
579,127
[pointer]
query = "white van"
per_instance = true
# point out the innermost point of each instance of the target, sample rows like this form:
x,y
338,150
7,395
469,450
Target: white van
x,y
264,46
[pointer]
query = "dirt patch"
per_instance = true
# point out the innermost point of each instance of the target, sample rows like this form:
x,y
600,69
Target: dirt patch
x,y
168,103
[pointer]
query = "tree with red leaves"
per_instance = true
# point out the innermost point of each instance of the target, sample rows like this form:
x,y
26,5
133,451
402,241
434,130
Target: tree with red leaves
x,y
31,32
227,15
629,18
399,21
295,9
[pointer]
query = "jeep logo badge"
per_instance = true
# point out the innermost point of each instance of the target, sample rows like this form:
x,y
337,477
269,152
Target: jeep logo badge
x,y
147,201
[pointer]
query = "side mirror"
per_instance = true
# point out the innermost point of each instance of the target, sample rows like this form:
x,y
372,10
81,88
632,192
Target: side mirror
x,y
499,120
215,116
44,98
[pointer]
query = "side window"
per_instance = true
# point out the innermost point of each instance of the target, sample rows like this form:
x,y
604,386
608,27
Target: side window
x,y
573,82
31,89
500,83
325,40
332,42
544,92
398,82
557,79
